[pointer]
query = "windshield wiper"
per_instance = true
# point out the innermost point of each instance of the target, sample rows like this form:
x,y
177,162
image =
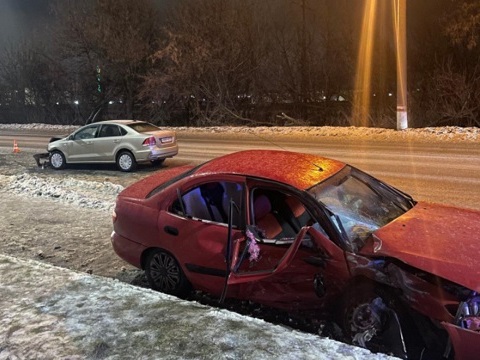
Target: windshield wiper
x,y
403,195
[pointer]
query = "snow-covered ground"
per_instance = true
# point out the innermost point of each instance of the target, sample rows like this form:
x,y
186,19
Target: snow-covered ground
x,y
54,313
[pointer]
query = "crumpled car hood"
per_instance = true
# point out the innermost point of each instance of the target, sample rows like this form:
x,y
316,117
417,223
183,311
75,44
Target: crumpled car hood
x,y
441,240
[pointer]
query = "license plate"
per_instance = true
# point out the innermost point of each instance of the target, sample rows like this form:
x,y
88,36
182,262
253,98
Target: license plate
x,y
166,139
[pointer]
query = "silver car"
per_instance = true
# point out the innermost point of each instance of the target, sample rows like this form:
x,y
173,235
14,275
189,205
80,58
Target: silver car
x,y
124,142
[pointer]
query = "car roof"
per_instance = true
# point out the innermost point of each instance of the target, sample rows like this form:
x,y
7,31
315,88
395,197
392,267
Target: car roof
x,y
121,122
295,169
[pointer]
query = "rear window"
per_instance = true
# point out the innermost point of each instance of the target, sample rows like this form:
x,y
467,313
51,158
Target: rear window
x,y
143,127
175,179
172,180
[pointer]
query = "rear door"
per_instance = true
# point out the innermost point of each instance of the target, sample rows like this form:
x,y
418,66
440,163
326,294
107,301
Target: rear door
x,y
196,229
108,138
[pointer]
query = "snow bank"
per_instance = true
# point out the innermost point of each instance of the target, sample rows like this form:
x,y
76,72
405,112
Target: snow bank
x,y
55,313
81,193
445,133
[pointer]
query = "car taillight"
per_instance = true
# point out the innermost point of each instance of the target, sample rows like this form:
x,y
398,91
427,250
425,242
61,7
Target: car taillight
x,y
149,141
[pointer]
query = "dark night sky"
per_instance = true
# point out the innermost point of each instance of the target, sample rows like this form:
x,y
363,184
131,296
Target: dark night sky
x,y
20,17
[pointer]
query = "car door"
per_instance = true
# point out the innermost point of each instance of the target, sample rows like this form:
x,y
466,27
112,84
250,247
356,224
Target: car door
x,y
81,146
107,140
196,229
287,260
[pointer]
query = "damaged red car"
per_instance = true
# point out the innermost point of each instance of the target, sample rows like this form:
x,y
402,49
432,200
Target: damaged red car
x,y
312,235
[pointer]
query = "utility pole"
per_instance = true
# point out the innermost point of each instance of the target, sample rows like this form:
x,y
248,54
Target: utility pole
x,y
400,13
303,61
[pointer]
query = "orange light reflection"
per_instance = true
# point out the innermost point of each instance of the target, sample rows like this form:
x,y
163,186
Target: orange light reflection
x,y
361,98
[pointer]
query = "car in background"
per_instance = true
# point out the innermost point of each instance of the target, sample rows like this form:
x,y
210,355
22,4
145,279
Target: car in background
x,y
311,235
125,143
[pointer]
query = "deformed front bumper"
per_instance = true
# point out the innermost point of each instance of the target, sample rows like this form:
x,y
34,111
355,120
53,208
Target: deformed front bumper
x,y
42,159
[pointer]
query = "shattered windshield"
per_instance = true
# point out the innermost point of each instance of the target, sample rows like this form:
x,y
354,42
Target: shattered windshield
x,y
359,204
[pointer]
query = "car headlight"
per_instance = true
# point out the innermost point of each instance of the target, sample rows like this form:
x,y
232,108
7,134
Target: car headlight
x,y
468,313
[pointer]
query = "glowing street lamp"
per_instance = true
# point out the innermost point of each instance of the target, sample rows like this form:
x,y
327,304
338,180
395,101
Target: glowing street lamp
x,y
400,18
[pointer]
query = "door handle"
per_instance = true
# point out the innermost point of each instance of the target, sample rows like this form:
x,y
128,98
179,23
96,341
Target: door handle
x,y
116,141
171,230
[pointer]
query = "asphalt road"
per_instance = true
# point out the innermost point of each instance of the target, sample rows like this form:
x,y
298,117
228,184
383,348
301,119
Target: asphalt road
x,y
441,172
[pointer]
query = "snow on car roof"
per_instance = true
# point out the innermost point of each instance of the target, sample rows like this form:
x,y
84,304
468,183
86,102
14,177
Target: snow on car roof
x,y
296,169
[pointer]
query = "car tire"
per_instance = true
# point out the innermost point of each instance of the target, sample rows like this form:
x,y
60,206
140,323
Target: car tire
x,y
165,274
356,316
126,161
157,162
57,160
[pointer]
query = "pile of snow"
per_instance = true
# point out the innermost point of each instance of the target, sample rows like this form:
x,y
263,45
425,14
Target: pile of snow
x,y
55,313
445,133
81,193
39,126
430,133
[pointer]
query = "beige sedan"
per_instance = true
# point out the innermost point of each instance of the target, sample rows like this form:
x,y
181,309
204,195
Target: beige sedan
x,y
123,142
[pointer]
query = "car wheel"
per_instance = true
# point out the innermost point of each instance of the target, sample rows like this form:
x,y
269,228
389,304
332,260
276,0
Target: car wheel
x,y
157,162
126,161
371,318
57,160
165,274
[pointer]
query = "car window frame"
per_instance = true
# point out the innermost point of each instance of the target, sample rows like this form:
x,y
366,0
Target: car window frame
x,y
113,126
97,126
189,184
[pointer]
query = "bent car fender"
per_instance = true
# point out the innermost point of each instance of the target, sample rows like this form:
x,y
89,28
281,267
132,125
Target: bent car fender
x,y
466,343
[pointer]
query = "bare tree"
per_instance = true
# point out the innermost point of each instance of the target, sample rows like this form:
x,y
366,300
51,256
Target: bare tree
x,y
463,25
207,60
111,42
34,80
456,99
313,55
445,81
250,60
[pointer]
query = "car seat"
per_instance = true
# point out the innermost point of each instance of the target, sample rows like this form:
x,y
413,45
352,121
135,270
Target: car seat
x,y
300,215
265,220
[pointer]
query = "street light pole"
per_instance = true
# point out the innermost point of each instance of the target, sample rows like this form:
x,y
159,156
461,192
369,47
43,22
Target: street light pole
x,y
400,16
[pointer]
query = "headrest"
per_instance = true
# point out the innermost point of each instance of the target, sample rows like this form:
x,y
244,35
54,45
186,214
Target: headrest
x,y
295,205
261,207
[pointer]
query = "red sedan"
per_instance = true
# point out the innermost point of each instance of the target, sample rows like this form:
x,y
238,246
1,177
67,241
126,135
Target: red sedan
x,y
309,234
